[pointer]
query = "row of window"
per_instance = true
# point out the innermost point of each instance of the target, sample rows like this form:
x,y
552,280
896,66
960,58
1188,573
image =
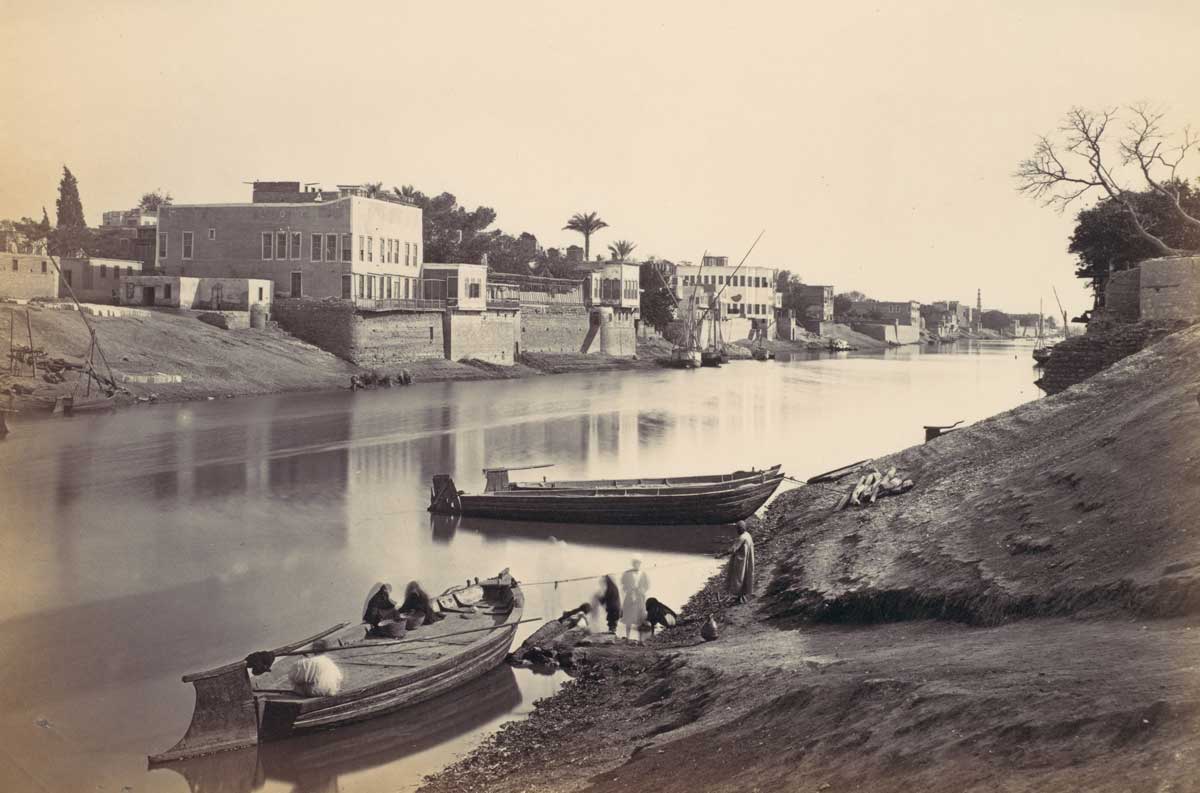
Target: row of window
x,y
289,245
758,281
380,287
103,270
16,265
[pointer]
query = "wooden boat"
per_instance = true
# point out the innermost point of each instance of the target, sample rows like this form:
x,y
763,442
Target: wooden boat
x,y
712,357
235,710
720,498
838,345
684,358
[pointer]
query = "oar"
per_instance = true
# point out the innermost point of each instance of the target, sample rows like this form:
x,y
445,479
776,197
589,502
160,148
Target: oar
x,y
439,637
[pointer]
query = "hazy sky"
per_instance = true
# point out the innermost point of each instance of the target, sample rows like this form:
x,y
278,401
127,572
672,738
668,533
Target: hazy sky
x,y
873,142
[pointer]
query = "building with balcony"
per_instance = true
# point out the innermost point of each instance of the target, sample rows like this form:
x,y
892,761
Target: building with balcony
x,y
348,243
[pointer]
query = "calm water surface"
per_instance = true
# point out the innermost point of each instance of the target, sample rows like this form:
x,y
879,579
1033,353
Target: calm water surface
x,y
138,546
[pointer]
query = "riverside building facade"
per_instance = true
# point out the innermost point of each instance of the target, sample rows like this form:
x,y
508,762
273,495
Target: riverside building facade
x,y
342,243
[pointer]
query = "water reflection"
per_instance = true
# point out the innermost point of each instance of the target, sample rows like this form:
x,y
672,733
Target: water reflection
x,y
173,538
315,763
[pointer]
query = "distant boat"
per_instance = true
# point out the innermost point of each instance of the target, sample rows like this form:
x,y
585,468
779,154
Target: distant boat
x,y
713,499
234,710
838,345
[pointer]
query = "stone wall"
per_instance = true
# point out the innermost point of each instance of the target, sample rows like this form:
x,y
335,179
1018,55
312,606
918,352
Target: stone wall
x,y
1076,359
483,336
1122,295
617,334
328,324
393,338
27,275
554,328
892,333
1170,289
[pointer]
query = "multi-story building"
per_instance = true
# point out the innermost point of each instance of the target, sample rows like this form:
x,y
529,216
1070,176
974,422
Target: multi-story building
x,y
344,243
743,292
906,312
613,284
814,302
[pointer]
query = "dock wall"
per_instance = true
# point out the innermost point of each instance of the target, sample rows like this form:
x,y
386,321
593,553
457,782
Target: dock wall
x,y
554,328
482,335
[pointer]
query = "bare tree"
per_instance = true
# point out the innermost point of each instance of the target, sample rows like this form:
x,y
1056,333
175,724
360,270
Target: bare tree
x,y
1079,160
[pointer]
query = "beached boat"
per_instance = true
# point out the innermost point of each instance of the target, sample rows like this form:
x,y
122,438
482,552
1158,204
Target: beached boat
x,y
719,498
235,709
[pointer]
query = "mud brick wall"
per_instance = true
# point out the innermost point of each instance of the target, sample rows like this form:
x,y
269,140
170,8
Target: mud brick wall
x,y
25,275
1170,289
389,339
1076,359
1122,295
483,336
328,324
551,328
618,335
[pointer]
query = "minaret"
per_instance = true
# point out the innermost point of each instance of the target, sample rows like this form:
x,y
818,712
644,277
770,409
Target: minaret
x,y
978,310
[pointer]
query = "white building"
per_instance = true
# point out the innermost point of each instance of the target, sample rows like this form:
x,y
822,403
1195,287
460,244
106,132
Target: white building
x,y
749,292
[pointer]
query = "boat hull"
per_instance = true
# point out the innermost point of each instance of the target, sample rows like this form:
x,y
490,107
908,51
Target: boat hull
x,y
667,508
233,713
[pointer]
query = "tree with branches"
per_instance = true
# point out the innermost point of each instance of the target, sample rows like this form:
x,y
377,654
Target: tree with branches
x,y
621,249
586,224
1088,156
150,202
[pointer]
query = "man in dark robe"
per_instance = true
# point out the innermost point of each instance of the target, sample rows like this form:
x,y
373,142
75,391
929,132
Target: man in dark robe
x,y
610,598
416,599
380,607
739,578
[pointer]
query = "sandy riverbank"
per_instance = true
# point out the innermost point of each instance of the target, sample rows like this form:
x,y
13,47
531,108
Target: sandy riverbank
x,y
1024,619
148,352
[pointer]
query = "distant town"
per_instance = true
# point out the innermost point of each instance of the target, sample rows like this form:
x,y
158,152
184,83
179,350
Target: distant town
x,y
373,277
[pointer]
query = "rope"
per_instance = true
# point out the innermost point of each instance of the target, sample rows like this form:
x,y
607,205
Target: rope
x,y
594,577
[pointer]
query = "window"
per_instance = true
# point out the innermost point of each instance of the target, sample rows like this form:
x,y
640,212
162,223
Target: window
x,y
212,234
416,259
166,291
370,286
129,291
389,288
43,267
16,264
347,286
331,241
361,257
187,245
347,248
162,245
104,271
315,247
260,294
66,273
267,245
370,248
381,247
281,243
473,289
297,244
407,252
361,285
393,251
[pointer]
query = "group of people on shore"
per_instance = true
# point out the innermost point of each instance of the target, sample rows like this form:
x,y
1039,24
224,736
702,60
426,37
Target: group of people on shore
x,y
636,611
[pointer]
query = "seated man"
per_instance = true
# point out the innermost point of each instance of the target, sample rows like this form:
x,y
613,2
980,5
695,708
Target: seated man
x,y
658,613
380,607
417,600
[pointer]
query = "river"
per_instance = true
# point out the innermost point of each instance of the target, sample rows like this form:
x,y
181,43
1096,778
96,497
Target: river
x,y
158,540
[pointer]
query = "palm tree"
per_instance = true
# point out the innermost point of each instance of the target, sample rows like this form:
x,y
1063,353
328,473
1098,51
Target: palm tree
x,y
621,249
587,225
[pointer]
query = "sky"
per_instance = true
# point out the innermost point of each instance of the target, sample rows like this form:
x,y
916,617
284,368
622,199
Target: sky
x,y
873,142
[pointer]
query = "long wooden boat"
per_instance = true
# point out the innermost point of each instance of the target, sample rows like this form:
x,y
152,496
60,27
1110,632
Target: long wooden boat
x,y
235,710
724,498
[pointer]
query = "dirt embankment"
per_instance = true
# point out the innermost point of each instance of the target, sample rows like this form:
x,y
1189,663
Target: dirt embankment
x,y
1027,618
210,362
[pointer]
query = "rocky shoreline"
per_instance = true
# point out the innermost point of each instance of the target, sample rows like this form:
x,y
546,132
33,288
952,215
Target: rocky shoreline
x,y
1025,618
